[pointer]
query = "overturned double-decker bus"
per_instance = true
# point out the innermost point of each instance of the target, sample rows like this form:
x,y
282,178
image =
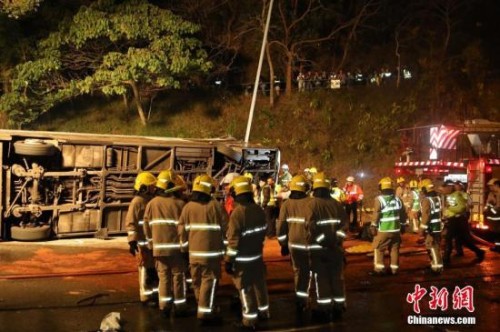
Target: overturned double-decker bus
x,y
56,184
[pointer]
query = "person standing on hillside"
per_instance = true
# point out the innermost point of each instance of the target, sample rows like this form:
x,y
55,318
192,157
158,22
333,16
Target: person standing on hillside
x,y
160,227
244,256
354,195
202,230
144,187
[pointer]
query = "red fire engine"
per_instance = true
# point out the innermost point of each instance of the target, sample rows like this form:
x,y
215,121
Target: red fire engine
x,y
468,152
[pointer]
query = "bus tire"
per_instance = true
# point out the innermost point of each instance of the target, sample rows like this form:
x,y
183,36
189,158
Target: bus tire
x,y
38,233
34,147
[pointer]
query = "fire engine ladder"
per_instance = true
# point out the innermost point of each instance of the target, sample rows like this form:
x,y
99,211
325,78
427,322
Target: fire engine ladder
x,y
476,189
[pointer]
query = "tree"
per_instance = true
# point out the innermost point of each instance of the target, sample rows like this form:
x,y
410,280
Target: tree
x,y
116,49
304,25
18,8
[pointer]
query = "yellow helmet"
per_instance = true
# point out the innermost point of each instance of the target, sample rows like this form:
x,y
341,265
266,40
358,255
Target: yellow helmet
x,y
313,170
400,180
427,184
321,181
179,183
241,184
144,179
492,181
164,178
248,175
385,183
413,184
203,184
298,183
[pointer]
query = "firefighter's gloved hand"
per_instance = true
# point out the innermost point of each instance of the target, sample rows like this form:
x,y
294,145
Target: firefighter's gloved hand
x,y
285,251
229,267
133,248
373,230
403,228
421,232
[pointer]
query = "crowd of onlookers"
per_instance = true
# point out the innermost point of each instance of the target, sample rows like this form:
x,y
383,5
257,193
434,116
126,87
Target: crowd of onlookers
x,y
314,80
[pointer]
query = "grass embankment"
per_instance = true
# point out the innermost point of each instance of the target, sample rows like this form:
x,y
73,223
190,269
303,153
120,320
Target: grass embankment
x,y
343,132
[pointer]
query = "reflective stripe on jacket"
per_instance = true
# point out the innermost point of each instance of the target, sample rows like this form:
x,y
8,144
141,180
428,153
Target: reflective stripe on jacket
x,y
291,223
390,210
202,227
135,219
431,214
160,225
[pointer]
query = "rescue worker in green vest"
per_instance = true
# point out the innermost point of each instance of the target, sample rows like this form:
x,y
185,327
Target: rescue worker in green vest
x,y
460,188
292,237
337,193
390,221
411,200
326,227
269,204
244,260
455,217
161,219
202,229
144,187
430,224
492,210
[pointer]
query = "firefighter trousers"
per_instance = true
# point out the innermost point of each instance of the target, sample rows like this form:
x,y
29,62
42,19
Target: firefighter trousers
x,y
457,228
172,281
205,277
328,272
433,246
383,240
250,280
301,274
146,273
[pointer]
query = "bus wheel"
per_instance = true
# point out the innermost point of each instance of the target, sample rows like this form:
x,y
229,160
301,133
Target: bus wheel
x,y
34,147
38,233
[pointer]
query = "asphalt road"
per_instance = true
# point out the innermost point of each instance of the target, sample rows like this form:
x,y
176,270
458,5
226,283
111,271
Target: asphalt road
x,y
71,284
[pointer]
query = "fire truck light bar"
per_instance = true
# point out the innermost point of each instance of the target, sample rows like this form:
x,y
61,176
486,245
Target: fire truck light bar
x,y
432,163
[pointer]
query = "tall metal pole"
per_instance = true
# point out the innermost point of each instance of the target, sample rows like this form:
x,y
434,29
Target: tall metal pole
x,y
257,76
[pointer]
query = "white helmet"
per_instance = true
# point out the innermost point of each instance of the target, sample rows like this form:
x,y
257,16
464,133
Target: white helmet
x,y
350,179
285,167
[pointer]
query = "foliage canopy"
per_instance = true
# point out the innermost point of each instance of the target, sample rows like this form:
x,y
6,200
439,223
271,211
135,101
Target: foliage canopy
x,y
130,47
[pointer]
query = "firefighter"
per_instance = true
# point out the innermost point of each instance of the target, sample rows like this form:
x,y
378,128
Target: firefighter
x,y
269,204
454,213
401,188
354,196
430,224
285,177
391,220
202,229
337,193
144,187
411,200
492,210
160,227
244,260
292,237
326,227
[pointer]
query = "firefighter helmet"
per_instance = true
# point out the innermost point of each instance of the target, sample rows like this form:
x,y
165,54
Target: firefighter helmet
x,y
241,185
321,181
144,179
385,183
350,179
413,184
298,183
492,181
285,167
248,175
427,185
203,183
313,170
164,178
400,180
